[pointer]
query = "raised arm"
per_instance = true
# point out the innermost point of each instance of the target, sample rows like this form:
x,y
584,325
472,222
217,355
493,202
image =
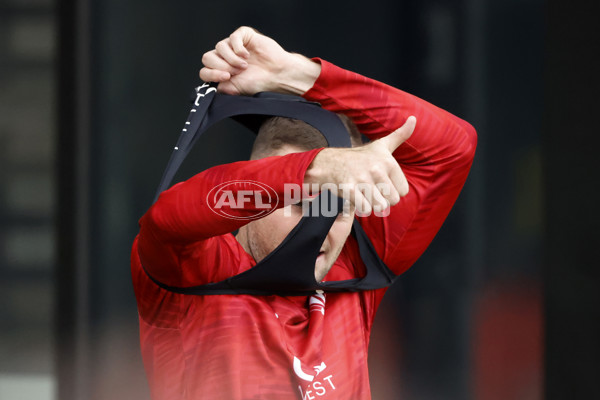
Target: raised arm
x,y
435,159
433,163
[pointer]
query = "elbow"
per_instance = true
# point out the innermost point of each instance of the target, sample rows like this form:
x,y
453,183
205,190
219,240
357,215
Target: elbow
x,y
152,222
472,138
467,143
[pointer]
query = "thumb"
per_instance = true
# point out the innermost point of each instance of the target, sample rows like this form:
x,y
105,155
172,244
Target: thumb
x,y
400,135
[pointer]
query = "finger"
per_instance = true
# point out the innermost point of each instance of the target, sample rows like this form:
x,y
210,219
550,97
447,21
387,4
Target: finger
x,y
348,209
400,135
225,51
213,61
239,39
380,176
214,75
361,203
388,191
399,181
378,200
372,195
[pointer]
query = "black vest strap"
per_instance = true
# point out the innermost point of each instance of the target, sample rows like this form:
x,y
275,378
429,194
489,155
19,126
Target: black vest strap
x,y
289,269
211,107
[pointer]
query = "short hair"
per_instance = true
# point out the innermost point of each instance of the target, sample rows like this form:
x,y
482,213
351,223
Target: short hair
x,y
277,132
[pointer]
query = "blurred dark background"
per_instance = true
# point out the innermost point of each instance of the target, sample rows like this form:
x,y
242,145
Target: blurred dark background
x,y
503,305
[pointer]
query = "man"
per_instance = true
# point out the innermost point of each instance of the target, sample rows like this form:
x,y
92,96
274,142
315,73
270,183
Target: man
x,y
291,347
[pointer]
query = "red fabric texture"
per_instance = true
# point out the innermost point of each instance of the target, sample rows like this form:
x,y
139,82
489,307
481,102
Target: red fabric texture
x,y
233,347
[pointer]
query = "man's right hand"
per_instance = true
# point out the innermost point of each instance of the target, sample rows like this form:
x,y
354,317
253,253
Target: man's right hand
x,y
248,62
370,176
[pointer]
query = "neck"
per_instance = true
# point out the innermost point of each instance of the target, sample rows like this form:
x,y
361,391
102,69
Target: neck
x,y
242,238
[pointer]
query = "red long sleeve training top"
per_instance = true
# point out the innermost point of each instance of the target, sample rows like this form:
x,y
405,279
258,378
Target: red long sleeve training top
x,y
233,347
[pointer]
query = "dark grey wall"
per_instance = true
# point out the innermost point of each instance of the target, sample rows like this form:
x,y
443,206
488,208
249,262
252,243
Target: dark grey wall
x,y
571,176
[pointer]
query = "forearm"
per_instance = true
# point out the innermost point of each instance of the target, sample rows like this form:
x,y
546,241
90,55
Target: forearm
x,y
183,213
297,76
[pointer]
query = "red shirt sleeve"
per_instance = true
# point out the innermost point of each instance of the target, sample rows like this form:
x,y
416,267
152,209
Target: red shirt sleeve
x,y
179,233
435,160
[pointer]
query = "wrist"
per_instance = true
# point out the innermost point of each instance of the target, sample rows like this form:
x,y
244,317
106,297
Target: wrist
x,y
298,74
316,173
